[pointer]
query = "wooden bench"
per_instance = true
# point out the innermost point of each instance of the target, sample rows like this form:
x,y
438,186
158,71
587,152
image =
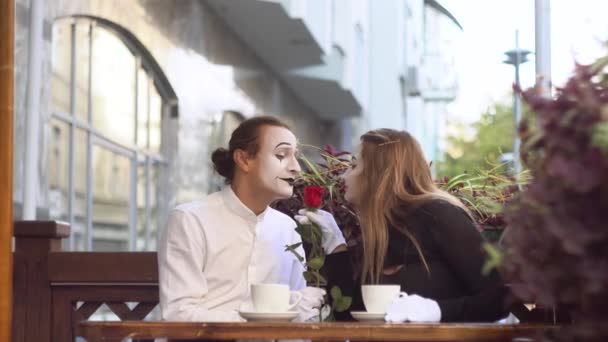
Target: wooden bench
x,y
56,292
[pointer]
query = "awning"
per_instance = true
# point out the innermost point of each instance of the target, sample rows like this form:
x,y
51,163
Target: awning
x,y
436,5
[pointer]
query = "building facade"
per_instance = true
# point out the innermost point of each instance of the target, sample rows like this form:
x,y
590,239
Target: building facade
x,y
119,104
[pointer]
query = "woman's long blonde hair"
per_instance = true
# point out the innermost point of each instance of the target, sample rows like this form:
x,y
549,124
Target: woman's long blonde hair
x,y
395,178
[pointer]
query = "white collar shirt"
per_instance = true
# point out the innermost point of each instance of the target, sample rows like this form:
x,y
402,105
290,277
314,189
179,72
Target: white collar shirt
x,y
212,250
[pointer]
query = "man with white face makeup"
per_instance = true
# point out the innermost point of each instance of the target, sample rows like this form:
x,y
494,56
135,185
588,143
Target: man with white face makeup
x,y
214,249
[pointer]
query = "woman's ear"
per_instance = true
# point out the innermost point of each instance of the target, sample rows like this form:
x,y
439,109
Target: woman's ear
x,y
241,159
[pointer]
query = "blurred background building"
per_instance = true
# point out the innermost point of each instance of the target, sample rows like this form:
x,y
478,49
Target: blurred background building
x,y
133,95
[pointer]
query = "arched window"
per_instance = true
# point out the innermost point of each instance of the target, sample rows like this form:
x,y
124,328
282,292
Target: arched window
x,y
107,158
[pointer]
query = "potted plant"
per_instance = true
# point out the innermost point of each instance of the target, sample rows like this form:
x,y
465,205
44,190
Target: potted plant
x,y
556,243
485,193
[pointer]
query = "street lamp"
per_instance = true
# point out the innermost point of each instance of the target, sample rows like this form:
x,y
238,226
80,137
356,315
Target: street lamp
x,y
516,57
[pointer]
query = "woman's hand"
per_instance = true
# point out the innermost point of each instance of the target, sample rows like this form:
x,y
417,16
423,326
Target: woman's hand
x,y
413,308
333,239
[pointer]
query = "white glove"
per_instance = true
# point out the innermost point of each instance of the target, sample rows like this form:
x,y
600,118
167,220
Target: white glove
x,y
309,305
413,309
332,235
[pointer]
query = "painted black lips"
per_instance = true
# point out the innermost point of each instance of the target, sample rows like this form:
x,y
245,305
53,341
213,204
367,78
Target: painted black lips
x,y
289,180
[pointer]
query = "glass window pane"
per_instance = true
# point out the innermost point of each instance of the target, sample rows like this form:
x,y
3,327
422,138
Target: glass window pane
x,y
58,166
80,190
60,64
147,242
143,100
156,110
82,70
111,188
154,219
113,82
141,243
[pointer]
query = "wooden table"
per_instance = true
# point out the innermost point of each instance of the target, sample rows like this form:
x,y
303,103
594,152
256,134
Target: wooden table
x,y
333,331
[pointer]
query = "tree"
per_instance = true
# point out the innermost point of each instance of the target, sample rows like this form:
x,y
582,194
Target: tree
x,y
487,141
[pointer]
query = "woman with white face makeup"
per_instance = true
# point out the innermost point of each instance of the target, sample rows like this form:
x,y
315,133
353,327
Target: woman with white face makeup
x,y
215,248
414,235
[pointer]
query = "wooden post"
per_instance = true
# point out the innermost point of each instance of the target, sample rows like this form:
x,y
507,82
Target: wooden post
x,y
34,240
7,71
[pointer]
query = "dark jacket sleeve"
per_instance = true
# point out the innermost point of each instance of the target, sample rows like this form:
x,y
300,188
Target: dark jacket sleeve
x,y
338,271
460,244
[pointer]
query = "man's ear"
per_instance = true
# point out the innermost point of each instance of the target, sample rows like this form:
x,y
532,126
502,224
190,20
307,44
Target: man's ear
x,y
242,160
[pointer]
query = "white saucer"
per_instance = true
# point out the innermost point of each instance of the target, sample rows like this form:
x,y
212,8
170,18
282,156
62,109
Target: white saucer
x,y
368,316
269,316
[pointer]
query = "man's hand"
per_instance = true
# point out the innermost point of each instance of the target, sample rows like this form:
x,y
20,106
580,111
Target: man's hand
x,y
310,305
332,235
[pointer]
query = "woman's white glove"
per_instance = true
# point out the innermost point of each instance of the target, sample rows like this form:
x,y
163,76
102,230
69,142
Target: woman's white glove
x,y
413,309
332,235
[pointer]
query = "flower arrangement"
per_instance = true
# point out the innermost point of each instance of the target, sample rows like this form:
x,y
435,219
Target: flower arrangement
x,y
555,246
321,187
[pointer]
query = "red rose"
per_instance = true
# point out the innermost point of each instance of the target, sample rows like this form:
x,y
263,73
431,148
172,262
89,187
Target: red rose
x,y
313,196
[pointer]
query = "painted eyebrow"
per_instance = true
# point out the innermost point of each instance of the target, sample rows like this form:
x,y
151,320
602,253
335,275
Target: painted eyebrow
x,y
283,143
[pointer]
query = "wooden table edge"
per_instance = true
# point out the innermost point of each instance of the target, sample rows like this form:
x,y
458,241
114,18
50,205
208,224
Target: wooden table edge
x,y
115,331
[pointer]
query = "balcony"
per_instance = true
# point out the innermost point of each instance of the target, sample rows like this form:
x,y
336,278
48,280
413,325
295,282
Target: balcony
x,y
267,27
281,33
438,80
323,87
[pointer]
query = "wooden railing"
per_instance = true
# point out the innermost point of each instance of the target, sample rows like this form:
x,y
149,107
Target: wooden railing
x,y
54,290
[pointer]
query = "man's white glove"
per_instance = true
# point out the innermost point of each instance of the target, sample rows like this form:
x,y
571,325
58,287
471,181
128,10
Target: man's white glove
x,y
332,235
310,304
413,309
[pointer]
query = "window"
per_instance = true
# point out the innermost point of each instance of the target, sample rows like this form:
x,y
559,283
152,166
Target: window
x,y
229,122
106,156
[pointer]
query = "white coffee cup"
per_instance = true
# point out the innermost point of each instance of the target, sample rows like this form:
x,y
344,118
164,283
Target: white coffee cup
x,y
377,298
273,297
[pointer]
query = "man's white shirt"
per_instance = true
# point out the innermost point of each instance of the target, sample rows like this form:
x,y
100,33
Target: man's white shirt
x,y
213,250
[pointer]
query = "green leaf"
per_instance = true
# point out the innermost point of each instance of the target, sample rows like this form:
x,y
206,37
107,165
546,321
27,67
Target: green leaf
x,y
342,304
330,317
292,249
315,170
306,231
335,292
309,276
316,231
330,189
599,136
454,181
494,258
599,64
316,263
313,277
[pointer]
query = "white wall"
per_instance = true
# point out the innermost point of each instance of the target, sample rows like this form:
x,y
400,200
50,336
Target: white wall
x,y
381,40
386,106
